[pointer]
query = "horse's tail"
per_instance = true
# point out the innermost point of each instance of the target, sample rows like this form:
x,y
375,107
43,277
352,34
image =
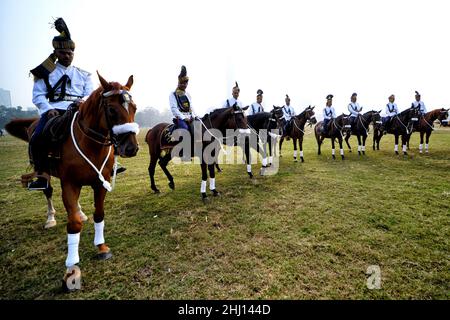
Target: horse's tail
x,y
19,128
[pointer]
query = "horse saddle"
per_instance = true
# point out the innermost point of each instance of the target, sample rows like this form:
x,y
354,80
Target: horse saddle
x,y
57,129
166,137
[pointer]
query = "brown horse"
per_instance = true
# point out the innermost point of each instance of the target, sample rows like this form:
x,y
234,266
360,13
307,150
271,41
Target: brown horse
x,y
217,121
425,126
104,122
297,130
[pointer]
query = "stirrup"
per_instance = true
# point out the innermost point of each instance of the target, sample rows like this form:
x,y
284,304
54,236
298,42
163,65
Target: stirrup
x,y
40,184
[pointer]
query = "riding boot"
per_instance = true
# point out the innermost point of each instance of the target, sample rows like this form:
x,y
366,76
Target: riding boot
x,y
38,155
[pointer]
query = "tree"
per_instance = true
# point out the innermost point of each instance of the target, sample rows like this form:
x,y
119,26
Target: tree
x,y
7,114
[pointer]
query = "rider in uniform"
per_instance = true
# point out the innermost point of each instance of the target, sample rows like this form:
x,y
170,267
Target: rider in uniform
x,y
256,107
288,114
390,111
234,99
419,104
181,103
354,110
328,113
56,87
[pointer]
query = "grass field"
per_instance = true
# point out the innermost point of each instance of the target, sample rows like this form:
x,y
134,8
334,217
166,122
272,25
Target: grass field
x,y
309,232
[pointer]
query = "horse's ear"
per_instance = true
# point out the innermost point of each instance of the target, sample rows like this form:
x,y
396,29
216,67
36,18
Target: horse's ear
x,y
313,108
103,82
379,111
129,82
245,108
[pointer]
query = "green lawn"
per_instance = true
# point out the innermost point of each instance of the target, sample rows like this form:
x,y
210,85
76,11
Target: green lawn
x,y
309,232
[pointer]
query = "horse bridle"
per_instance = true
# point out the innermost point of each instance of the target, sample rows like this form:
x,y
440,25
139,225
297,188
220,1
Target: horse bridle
x,y
116,133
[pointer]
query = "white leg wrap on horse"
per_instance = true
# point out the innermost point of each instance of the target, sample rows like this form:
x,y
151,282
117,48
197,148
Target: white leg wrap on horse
x,y
98,238
212,183
333,152
295,153
363,148
342,152
396,147
203,187
404,148
50,208
264,161
426,147
359,148
301,154
420,147
249,168
270,159
72,253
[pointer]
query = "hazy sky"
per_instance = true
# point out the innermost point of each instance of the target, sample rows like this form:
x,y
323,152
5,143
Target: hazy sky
x,y
307,49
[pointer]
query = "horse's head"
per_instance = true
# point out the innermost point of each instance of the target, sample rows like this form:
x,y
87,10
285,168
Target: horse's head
x,y
414,113
119,111
310,116
232,118
376,118
343,122
443,115
277,114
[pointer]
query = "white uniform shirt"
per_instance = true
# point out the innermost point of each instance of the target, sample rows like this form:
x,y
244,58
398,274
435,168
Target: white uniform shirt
x,y
391,109
421,106
254,109
329,113
354,109
174,107
80,85
231,101
288,112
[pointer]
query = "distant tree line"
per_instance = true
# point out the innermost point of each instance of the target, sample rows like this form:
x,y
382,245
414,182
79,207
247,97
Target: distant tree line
x,y
9,113
145,118
150,116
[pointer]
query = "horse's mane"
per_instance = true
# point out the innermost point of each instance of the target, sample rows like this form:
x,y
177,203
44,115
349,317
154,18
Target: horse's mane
x,y
404,112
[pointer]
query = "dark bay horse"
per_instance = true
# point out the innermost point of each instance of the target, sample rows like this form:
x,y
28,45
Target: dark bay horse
x,y
402,125
361,129
425,126
297,130
377,134
105,121
220,119
336,129
261,126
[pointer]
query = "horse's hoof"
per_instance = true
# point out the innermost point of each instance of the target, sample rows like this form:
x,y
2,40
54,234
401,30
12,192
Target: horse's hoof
x,y
156,190
172,185
250,175
295,160
343,158
359,153
334,157
373,148
215,193
84,217
50,224
350,150
396,152
104,255
205,198
303,160
405,153
72,279
364,153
